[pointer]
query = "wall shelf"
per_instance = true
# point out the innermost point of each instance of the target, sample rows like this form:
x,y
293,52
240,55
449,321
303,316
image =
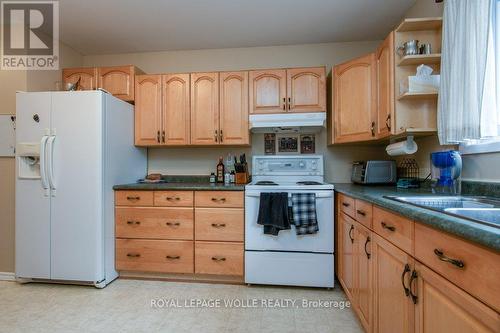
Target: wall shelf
x,y
415,132
420,24
434,58
418,95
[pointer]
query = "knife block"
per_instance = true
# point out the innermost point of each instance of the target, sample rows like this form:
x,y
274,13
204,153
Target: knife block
x,y
241,178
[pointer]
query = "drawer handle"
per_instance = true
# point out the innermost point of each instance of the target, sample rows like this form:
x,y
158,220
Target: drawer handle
x,y
218,259
350,233
217,200
173,257
173,198
388,227
406,270
368,255
173,224
414,276
345,204
133,222
440,254
133,198
218,225
361,212
133,255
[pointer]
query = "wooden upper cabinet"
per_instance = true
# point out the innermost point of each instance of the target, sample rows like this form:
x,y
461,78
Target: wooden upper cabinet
x,y
234,108
148,110
355,100
118,80
443,307
385,87
268,91
306,89
394,310
87,77
204,108
176,111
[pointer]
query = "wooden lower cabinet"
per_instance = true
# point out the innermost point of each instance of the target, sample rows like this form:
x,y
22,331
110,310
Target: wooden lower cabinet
x,y
394,291
162,256
443,307
219,258
363,277
199,234
346,254
393,308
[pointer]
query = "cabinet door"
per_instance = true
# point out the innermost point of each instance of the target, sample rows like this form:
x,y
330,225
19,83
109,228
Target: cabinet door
x,y
148,110
87,77
176,111
443,307
204,108
306,89
355,100
346,254
385,86
234,108
364,288
268,91
393,309
118,80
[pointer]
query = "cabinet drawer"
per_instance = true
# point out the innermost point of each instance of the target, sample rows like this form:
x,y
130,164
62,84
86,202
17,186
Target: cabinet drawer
x,y
396,229
154,256
219,224
347,205
219,258
364,213
480,273
232,199
154,222
174,198
134,198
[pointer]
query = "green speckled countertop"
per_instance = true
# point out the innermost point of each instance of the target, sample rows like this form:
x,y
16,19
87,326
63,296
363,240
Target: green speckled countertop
x,y
184,183
184,186
476,232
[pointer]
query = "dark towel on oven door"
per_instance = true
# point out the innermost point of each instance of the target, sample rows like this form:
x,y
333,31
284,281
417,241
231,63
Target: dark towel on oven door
x,y
304,213
273,213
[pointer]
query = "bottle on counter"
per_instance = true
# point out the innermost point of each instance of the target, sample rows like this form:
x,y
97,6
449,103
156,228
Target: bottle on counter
x,y
212,178
220,171
232,177
227,178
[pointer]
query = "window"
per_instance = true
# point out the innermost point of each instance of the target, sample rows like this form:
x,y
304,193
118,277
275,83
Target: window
x,y
491,143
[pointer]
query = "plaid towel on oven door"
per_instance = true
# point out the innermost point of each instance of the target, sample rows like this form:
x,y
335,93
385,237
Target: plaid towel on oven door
x,y
304,213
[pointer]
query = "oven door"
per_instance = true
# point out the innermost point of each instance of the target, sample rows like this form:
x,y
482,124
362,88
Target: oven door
x,y
288,240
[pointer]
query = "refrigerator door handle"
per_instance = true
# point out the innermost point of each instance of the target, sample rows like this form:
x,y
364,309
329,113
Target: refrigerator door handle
x,y
43,162
50,162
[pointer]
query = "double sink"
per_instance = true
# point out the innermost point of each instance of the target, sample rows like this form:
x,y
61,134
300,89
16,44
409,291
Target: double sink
x,y
483,210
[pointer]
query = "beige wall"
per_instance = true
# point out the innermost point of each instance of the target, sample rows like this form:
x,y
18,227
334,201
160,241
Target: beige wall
x,y
203,160
10,82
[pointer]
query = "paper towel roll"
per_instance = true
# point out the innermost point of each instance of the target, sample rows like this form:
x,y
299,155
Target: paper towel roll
x,y
402,148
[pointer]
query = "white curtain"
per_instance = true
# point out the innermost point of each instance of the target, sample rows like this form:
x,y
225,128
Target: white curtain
x,y
467,106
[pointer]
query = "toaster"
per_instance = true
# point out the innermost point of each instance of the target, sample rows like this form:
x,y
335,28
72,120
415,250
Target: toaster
x,y
374,172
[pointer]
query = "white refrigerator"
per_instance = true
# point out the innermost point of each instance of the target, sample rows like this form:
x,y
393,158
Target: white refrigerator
x,y
71,148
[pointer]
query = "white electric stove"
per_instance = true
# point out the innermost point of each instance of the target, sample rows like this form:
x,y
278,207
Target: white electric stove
x,y
289,259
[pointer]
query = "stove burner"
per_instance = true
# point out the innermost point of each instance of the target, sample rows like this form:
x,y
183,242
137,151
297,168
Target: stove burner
x,y
266,182
309,183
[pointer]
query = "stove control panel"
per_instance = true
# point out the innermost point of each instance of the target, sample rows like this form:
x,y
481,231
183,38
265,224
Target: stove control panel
x,y
296,165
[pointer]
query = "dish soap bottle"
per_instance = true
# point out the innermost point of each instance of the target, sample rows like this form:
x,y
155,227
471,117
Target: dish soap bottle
x,y
220,171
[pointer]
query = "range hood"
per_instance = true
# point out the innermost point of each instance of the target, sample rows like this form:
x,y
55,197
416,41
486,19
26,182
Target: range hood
x,y
287,122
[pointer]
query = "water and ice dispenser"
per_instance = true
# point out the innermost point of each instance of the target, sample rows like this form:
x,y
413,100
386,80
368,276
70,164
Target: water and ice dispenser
x,y
29,160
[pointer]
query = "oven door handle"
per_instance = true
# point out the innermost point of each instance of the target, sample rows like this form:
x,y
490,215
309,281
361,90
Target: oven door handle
x,y
256,194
